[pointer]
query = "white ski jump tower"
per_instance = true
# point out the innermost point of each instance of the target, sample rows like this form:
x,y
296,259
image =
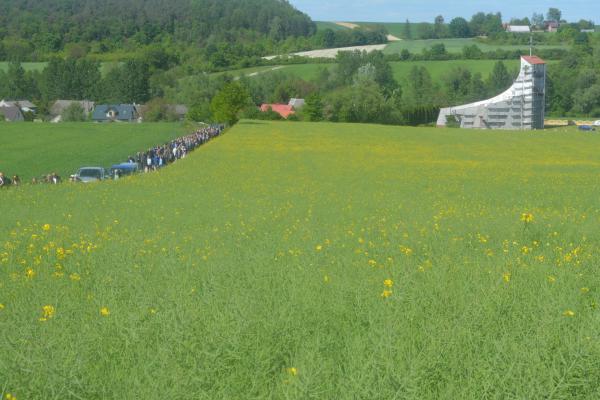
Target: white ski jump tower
x,y
519,107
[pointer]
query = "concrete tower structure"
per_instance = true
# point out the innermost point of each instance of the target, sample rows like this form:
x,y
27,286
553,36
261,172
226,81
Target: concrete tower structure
x,y
519,107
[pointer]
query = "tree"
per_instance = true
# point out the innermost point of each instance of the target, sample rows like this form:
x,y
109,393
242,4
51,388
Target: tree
x,y
499,79
313,109
407,30
459,28
554,14
439,27
537,20
74,113
419,87
228,103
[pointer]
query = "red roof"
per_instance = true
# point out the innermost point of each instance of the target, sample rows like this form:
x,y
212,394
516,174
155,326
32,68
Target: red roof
x,y
282,109
534,60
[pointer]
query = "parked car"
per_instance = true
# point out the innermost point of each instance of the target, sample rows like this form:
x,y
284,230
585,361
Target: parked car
x,y
91,174
597,123
586,128
120,170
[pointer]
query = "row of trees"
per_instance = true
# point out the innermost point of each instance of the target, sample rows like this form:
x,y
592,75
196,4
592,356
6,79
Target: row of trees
x,y
482,24
127,82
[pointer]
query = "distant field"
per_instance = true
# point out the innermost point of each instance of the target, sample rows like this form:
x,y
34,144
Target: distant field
x,y
30,149
453,45
437,69
27,66
311,261
400,68
322,25
39,66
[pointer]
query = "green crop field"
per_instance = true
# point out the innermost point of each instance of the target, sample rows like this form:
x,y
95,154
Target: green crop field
x,y
322,25
105,67
325,261
31,150
454,45
437,69
27,66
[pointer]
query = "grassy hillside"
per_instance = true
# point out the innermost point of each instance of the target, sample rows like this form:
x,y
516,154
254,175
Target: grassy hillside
x,y
437,69
293,261
27,66
30,150
452,45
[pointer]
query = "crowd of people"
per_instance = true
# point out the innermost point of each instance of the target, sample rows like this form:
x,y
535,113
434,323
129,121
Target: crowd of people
x,y
159,156
149,160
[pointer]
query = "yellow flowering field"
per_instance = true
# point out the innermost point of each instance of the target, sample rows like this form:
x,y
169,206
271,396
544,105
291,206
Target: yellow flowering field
x,y
322,261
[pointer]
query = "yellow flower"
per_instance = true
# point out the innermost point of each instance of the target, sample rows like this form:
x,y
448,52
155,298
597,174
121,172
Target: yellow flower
x,y
569,313
527,217
292,371
319,247
46,227
386,294
30,273
10,397
506,277
326,279
1,306
388,283
47,313
75,277
551,279
585,290
104,311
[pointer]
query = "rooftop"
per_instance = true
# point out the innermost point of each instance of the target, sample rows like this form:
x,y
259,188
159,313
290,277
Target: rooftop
x,y
534,60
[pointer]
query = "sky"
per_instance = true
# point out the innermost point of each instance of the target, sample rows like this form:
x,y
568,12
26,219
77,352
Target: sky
x,y
427,10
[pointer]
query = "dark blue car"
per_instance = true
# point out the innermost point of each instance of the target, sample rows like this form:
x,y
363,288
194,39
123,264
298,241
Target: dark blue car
x,y
586,128
120,170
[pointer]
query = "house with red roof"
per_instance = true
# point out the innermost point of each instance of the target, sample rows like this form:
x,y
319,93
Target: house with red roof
x,y
285,110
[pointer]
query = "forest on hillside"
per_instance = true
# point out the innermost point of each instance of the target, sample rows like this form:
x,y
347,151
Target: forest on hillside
x,y
47,26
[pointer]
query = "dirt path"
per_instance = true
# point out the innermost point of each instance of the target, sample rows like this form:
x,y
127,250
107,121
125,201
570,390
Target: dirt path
x,y
332,53
347,25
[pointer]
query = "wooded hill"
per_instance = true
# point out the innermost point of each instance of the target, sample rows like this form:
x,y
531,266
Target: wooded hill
x,y
49,25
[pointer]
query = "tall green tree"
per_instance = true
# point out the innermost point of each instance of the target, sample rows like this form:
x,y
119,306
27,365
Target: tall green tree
x,y
407,30
313,109
554,14
459,28
499,79
229,102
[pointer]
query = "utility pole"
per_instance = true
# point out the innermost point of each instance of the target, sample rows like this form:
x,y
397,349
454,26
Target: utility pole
x,y
531,45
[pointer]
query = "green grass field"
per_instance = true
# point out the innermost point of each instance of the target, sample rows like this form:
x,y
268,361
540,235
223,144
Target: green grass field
x,y
297,260
31,150
27,66
39,66
453,45
401,69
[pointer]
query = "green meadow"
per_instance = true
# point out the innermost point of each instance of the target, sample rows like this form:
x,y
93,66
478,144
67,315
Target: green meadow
x,y
31,150
325,261
401,69
454,45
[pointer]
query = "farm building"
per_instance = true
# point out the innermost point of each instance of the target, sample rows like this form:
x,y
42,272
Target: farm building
x,y
59,107
296,103
519,107
285,110
518,29
23,105
115,113
11,114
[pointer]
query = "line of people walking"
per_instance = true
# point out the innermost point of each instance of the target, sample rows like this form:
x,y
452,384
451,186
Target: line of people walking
x,y
149,160
159,156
